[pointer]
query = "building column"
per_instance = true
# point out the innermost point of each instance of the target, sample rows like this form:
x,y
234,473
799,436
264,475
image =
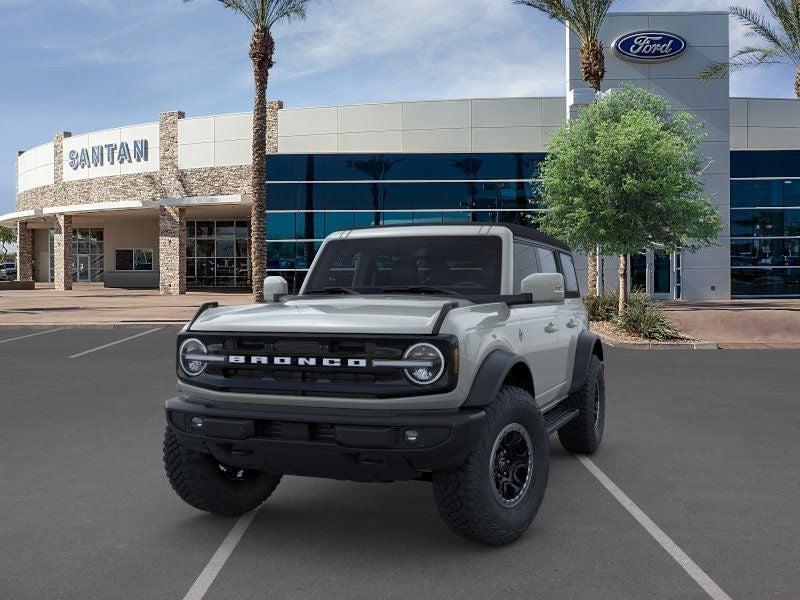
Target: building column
x,y
62,253
24,252
172,250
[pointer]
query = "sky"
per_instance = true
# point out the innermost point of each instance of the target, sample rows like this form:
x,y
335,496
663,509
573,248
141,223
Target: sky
x,y
86,65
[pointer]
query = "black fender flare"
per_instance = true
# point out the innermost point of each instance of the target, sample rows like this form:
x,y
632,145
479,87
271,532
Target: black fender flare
x,y
588,344
491,375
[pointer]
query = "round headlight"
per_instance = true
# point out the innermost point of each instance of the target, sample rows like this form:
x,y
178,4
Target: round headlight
x,y
186,355
431,357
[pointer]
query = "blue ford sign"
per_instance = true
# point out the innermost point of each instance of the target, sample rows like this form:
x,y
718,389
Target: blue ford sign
x,y
649,46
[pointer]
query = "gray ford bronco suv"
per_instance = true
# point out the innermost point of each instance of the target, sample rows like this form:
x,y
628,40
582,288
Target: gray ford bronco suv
x,y
440,353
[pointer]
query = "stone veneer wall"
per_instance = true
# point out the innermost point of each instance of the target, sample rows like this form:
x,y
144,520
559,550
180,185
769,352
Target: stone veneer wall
x,y
24,252
62,250
172,250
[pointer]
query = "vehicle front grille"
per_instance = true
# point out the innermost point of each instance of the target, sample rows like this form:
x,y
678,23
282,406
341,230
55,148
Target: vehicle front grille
x,y
315,380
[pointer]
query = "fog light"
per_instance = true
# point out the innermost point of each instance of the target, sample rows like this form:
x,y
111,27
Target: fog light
x,y
411,436
196,424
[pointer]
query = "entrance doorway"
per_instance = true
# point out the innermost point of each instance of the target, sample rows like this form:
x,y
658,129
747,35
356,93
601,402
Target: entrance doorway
x,y
656,273
87,252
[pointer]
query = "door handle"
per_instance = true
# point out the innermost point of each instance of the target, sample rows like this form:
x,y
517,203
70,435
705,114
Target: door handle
x,y
572,324
551,327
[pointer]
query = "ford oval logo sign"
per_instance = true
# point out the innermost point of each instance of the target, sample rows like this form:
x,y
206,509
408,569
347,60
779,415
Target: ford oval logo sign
x,y
649,46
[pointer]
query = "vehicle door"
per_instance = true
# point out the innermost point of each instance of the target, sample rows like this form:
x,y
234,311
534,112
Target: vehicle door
x,y
539,330
575,312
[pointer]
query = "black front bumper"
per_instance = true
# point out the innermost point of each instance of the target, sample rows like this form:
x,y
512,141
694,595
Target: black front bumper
x,y
336,444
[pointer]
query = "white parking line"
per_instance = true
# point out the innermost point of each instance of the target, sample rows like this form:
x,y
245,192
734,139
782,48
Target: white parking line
x,y
214,566
695,572
22,337
115,343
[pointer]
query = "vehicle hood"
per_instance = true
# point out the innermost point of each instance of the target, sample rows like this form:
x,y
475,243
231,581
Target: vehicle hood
x,y
341,314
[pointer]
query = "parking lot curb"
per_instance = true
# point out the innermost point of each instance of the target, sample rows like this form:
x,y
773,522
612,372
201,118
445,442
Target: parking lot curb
x,y
658,345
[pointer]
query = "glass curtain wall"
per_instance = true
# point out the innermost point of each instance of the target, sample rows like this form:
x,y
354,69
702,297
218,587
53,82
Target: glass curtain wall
x,y
218,254
765,223
312,195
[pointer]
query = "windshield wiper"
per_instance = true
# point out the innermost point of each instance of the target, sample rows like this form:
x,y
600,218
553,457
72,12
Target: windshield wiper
x,y
419,289
333,290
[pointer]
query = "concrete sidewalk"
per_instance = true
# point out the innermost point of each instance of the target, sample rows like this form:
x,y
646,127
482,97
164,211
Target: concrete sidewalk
x,y
93,305
740,323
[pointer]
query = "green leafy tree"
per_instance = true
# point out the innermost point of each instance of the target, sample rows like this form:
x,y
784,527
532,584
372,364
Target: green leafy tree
x,y
584,19
778,40
263,15
627,174
8,236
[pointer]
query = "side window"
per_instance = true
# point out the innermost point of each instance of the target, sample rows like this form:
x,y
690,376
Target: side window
x,y
570,277
524,263
547,260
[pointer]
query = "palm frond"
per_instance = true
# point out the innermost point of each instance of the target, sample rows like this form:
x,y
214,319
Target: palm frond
x,y
745,58
759,26
583,17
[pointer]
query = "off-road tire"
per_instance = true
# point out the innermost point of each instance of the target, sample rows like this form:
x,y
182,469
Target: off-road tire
x,y
465,496
584,433
196,478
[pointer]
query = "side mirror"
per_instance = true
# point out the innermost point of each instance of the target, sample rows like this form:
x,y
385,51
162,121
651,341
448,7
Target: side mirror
x,y
274,287
545,288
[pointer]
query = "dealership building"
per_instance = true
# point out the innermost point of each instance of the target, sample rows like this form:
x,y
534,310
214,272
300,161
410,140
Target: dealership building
x,y
167,204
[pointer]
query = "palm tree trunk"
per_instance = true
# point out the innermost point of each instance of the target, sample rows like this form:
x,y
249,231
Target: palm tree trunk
x,y
261,51
593,67
623,282
797,84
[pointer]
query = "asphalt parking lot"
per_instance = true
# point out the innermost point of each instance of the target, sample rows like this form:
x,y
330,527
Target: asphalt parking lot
x,y
705,443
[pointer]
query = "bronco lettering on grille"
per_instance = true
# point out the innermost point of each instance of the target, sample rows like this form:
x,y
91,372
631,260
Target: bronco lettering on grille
x,y
300,361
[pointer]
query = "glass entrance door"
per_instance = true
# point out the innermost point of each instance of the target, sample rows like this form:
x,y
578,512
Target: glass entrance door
x,y
83,269
662,270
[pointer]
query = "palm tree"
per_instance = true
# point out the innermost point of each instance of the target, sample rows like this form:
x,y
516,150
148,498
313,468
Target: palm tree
x,y
263,15
780,41
584,19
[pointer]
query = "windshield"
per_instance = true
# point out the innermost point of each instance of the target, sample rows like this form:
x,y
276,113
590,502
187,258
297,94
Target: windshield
x,y
464,265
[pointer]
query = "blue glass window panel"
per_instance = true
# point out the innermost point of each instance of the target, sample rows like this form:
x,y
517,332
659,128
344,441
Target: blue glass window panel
x,y
312,196
455,195
311,167
485,216
768,193
457,216
340,167
791,222
338,222
427,217
398,167
282,196
305,254
397,196
426,166
742,223
530,163
364,219
281,255
790,163
791,192
339,196
768,163
742,194
515,195
516,217
768,223
367,196
742,164
283,167
306,225
465,167
425,195
765,282
281,226
396,218
484,195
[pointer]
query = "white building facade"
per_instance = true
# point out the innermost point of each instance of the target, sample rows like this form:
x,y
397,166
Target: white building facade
x,y
167,204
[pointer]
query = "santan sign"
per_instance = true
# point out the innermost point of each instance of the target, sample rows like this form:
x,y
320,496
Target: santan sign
x,y
97,156
649,46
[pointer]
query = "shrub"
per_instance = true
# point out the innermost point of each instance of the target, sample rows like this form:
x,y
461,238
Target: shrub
x,y
602,307
645,318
